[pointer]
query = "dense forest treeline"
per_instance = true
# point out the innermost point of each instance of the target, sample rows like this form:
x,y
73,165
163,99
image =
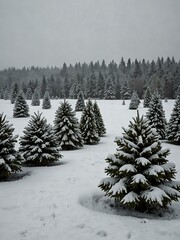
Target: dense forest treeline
x,y
96,80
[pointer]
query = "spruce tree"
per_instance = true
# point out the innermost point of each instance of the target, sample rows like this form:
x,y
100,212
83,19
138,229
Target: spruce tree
x,y
66,128
147,97
39,145
35,99
140,176
10,159
80,104
173,126
21,108
14,93
29,94
134,103
156,115
46,104
101,130
88,125
109,92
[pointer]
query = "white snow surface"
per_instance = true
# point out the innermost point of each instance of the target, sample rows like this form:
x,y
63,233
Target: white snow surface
x,y
64,201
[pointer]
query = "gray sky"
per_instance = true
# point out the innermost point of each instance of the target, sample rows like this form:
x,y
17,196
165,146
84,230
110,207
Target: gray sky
x,y
50,32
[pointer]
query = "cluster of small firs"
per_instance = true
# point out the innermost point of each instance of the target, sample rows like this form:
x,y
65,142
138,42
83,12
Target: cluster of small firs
x,y
139,175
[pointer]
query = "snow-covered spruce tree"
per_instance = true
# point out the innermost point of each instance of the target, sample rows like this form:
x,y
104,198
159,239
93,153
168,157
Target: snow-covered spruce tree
x,y
147,97
134,103
10,159
21,108
173,126
140,176
29,94
156,115
39,145
99,120
88,125
80,104
14,92
46,104
35,99
66,128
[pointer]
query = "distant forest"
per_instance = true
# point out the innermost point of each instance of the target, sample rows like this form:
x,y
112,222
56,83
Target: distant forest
x,y
96,80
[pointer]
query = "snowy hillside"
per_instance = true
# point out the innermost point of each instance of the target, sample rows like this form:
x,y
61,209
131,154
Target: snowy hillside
x,y
64,201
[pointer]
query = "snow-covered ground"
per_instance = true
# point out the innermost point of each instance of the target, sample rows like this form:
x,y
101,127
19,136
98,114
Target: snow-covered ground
x,y
64,201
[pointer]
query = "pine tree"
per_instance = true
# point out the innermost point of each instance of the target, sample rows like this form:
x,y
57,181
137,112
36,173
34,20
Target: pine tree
x,y
14,93
140,176
173,126
35,99
109,92
46,104
29,94
80,104
6,94
66,128
21,108
147,97
101,130
39,145
156,115
88,125
10,159
134,103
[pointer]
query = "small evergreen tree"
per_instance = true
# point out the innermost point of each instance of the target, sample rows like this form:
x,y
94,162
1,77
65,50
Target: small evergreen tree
x,y
156,115
29,94
21,108
147,97
80,105
14,93
173,126
35,99
101,130
39,145
66,128
10,159
46,104
88,125
140,176
134,103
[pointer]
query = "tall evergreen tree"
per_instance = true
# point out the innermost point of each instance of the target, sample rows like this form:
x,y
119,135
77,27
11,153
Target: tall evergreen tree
x,y
101,130
14,93
35,99
156,115
66,128
134,103
46,104
109,92
140,176
29,94
39,145
173,126
6,94
88,125
21,108
10,159
80,104
147,97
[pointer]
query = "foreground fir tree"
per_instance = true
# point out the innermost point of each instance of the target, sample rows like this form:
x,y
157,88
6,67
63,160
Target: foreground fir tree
x,y
46,104
10,159
21,108
147,97
140,176
88,125
101,130
134,103
35,99
156,115
39,145
66,128
173,126
80,104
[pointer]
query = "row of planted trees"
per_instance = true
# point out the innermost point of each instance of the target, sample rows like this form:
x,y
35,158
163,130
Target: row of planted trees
x,y
41,142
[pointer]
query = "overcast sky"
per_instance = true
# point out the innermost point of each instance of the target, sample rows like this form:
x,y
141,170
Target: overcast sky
x,y
51,32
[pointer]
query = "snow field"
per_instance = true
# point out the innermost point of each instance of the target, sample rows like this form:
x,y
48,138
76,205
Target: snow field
x,y
64,202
